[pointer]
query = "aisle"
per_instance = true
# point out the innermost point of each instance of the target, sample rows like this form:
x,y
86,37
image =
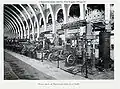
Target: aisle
x,y
46,68
15,69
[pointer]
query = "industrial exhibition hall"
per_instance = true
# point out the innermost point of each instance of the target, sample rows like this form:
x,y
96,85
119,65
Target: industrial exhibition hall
x,y
58,41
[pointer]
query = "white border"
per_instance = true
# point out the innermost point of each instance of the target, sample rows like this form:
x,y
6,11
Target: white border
x,y
83,84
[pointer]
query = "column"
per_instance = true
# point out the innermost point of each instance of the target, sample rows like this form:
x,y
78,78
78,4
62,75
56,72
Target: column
x,y
82,30
82,16
65,12
107,17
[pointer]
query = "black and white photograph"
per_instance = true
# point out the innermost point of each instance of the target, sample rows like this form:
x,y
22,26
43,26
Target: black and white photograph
x,y
58,41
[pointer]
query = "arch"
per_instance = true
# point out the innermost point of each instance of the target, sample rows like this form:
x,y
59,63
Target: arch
x,y
12,30
15,23
39,6
35,19
6,18
20,19
29,19
60,15
24,19
57,13
20,26
53,19
9,25
72,10
8,31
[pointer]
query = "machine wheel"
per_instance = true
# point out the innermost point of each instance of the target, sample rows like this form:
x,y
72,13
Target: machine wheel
x,y
52,57
70,61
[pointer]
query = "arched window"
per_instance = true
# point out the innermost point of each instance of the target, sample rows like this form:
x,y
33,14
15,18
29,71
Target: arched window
x,y
42,22
60,16
49,19
74,10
